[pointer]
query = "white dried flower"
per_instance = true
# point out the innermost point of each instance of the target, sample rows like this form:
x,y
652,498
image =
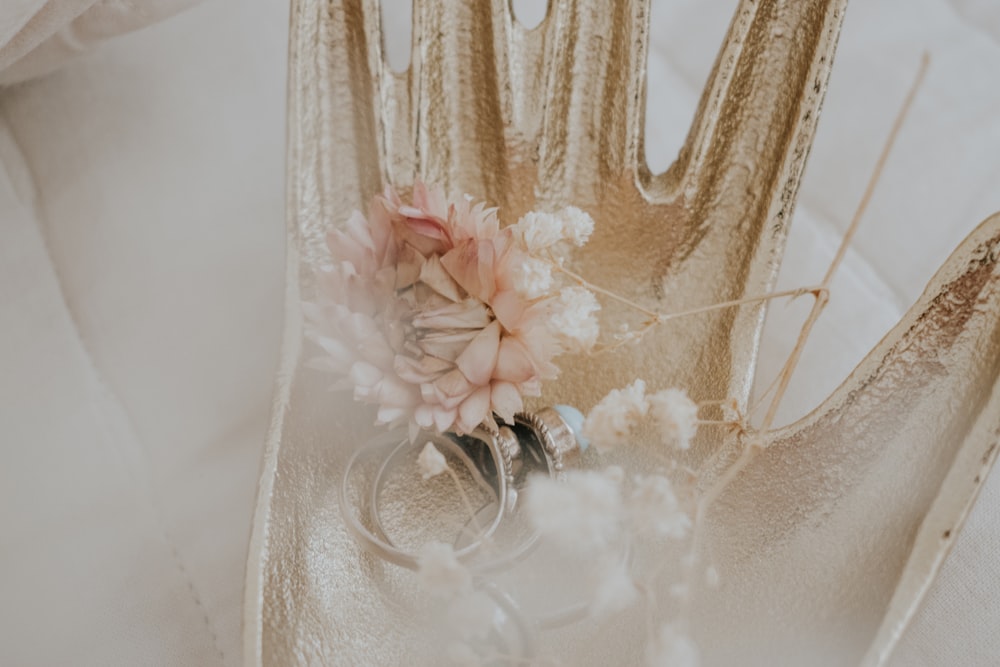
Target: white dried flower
x,y
676,416
611,421
463,655
439,571
472,615
577,225
533,278
654,508
538,231
671,649
573,319
582,512
615,592
431,461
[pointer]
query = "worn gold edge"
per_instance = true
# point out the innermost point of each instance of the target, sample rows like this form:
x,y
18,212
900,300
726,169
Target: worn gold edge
x,y
947,515
290,352
763,275
968,469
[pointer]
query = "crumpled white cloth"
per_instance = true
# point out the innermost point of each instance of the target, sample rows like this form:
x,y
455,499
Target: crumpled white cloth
x,y
141,250
36,36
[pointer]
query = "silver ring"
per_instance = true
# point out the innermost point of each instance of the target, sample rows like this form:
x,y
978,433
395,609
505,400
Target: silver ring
x,y
535,441
381,546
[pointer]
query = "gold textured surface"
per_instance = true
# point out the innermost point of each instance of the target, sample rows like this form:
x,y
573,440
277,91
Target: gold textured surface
x,y
827,541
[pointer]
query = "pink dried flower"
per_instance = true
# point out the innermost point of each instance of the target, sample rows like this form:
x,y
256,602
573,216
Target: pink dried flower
x,y
426,310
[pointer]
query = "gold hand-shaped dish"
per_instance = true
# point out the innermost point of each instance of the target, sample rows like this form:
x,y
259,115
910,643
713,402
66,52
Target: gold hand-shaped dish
x,y
827,540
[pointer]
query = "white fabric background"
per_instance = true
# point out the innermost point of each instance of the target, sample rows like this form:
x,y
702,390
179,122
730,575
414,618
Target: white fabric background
x,y
141,249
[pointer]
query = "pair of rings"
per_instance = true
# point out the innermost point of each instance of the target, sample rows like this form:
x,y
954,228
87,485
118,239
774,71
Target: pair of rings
x,y
499,460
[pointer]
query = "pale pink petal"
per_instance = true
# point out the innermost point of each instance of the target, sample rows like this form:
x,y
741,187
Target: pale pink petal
x,y
434,275
388,415
339,353
364,374
474,409
344,248
384,281
380,226
506,400
444,418
393,392
430,199
359,326
452,388
469,314
376,351
424,416
409,263
508,308
427,237
358,229
487,279
447,345
462,263
542,347
366,393
389,200
514,362
424,226
418,371
479,359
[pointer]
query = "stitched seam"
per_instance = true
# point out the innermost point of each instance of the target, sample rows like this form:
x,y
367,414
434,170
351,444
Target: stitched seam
x,y
110,396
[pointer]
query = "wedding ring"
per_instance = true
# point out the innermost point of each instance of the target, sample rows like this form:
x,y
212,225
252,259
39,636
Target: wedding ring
x,y
375,541
499,461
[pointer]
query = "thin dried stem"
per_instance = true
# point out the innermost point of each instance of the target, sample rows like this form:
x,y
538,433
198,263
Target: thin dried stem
x,y
465,498
755,444
660,318
583,282
657,318
788,369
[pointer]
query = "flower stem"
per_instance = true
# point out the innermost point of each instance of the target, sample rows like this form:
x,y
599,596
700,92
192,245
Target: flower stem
x,y
822,294
465,498
583,282
822,298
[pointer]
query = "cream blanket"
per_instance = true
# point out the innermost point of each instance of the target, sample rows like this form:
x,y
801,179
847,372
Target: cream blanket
x,y
141,251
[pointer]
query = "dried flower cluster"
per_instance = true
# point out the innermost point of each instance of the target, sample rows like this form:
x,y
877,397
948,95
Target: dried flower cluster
x,y
614,419
442,319
469,612
592,514
590,510
431,461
